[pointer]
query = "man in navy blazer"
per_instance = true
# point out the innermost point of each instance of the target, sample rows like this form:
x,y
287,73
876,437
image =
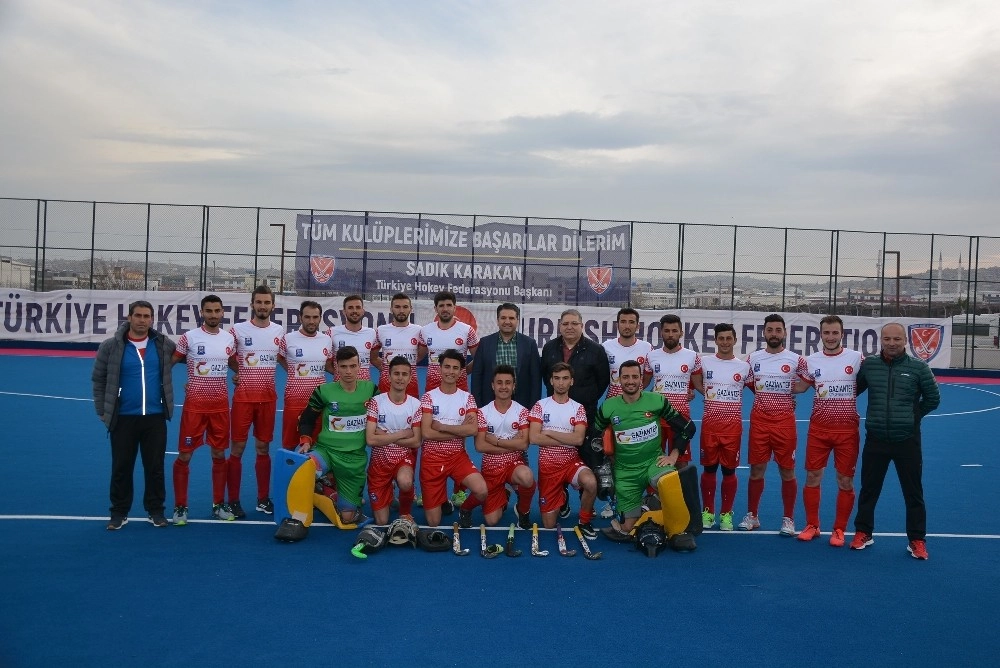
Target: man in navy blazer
x,y
497,349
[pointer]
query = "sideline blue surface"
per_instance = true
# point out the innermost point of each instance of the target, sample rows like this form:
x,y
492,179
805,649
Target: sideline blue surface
x,y
228,593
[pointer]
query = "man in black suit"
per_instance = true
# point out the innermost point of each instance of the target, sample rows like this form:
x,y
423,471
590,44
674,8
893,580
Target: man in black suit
x,y
507,346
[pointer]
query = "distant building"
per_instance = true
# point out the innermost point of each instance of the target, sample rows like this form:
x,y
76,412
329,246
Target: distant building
x,y
14,274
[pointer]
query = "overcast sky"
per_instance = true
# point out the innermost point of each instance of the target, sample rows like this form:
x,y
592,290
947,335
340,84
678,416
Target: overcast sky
x,y
852,115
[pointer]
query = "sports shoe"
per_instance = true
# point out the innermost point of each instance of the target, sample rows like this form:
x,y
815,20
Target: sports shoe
x,y
236,508
615,534
447,508
862,540
360,519
459,497
117,522
523,521
750,522
837,538
180,516
707,519
221,512
811,531
588,530
726,521
917,549
157,520
407,517
607,512
564,510
787,527
265,506
465,518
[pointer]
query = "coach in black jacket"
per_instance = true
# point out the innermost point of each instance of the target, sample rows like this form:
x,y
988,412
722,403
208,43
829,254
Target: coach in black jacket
x,y
591,369
527,363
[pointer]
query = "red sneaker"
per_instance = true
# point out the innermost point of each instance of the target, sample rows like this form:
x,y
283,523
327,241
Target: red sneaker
x,y
862,540
811,531
917,549
837,538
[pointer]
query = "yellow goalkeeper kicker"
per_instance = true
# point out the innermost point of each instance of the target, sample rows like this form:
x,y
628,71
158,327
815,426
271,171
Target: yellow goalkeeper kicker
x,y
676,516
299,494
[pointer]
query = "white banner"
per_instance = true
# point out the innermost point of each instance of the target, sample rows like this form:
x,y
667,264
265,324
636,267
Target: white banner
x,y
89,316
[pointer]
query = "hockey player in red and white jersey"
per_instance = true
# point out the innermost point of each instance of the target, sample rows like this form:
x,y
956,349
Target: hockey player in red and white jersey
x,y
833,427
447,332
676,372
255,399
774,372
398,337
353,333
304,354
205,416
627,347
725,376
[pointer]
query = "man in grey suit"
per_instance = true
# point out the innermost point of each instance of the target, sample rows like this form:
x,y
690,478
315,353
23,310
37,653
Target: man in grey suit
x,y
507,346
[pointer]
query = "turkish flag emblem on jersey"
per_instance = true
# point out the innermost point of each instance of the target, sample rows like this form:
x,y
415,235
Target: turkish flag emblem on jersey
x,y
599,278
785,368
459,341
684,368
848,369
737,377
322,267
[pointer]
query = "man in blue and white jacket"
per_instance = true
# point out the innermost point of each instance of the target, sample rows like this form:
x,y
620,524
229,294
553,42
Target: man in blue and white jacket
x,y
134,397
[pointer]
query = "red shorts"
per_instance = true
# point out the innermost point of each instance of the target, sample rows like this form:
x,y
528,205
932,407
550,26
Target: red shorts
x,y
720,448
194,426
552,478
258,413
845,446
434,477
771,434
290,426
382,475
496,481
666,434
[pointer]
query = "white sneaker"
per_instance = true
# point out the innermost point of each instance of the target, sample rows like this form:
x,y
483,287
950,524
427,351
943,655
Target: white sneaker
x,y
749,523
787,527
220,511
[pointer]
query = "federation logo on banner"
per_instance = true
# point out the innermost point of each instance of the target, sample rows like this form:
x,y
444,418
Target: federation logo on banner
x,y
322,267
925,340
599,278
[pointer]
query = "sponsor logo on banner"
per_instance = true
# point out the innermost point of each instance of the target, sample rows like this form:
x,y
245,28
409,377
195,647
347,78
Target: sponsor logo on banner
x,y
322,267
599,278
925,340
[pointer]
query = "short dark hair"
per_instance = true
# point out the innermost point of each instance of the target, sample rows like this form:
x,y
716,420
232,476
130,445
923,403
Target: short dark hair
x,y
140,303
507,306
505,369
346,353
353,298
210,299
560,366
452,354
261,289
774,317
628,310
628,364
670,319
444,296
310,304
725,327
830,319
399,360
400,295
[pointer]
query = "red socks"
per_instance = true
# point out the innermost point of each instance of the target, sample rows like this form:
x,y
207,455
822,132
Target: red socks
x,y
789,490
219,477
755,490
524,497
845,504
234,474
182,470
810,499
406,502
708,490
262,467
728,493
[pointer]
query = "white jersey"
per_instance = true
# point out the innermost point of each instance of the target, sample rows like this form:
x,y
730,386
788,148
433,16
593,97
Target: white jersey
x,y
835,378
257,356
672,373
554,416
392,417
617,353
774,376
504,426
448,409
207,355
460,336
395,341
305,359
363,340
724,383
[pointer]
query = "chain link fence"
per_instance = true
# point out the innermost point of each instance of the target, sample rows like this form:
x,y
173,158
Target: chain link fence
x,y
55,244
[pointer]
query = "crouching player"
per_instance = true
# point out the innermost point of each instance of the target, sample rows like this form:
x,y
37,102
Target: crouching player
x,y
634,421
393,433
339,450
503,440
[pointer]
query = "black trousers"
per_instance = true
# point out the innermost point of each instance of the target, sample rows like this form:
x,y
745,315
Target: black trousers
x,y
909,462
146,435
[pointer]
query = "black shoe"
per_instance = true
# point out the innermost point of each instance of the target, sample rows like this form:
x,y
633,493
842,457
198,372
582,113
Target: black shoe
x,y
564,511
465,518
236,508
117,522
158,520
588,530
265,506
523,521
447,508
